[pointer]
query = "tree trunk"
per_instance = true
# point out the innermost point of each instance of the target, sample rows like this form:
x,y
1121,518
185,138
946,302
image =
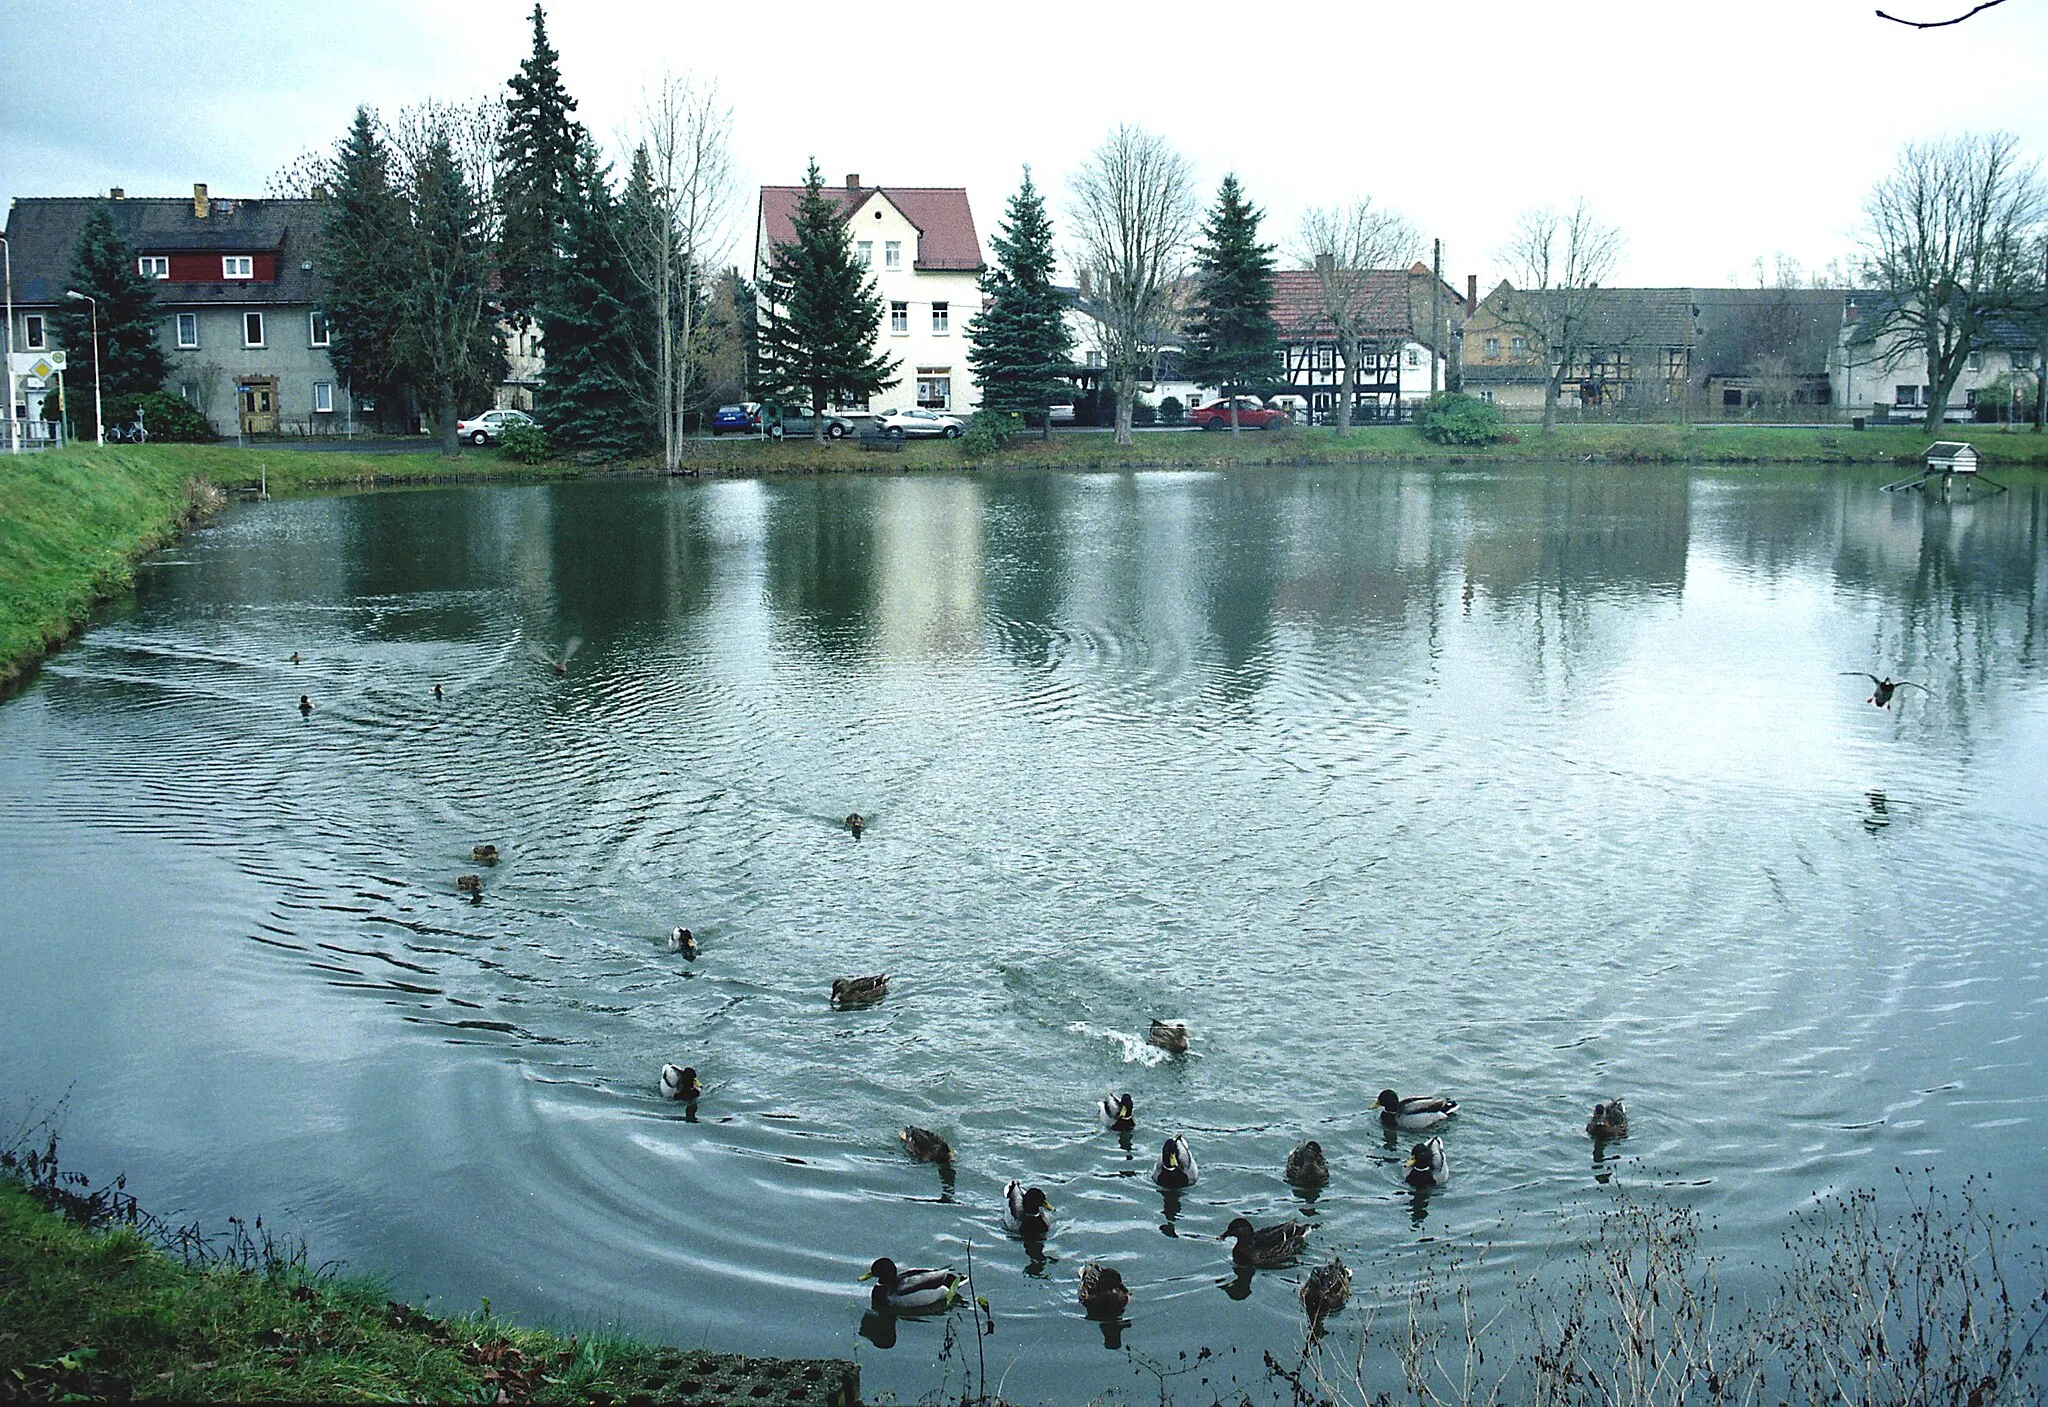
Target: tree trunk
x,y
450,445
2041,390
817,418
1233,408
1124,398
1550,389
1349,349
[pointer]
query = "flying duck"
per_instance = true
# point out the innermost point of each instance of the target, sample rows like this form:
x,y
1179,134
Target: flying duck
x,y
1264,1245
1418,1111
1325,1291
681,940
1176,1167
1609,1120
1881,696
859,991
1305,1165
911,1291
1103,1290
924,1145
680,1082
1026,1212
1169,1035
1426,1166
1117,1112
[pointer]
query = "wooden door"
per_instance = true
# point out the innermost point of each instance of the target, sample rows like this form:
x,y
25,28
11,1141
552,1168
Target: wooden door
x,y
257,397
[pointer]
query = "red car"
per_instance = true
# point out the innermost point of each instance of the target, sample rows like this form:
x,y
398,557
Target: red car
x,y
1251,415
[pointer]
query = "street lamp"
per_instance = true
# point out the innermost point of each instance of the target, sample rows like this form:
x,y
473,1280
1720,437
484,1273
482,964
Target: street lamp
x,y
98,421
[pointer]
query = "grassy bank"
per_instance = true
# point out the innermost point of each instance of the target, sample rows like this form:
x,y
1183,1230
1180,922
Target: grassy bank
x,y
104,1313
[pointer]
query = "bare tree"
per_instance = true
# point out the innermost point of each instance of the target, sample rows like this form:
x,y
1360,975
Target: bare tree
x,y
1133,206
471,131
1948,239
304,177
675,229
1557,263
1343,245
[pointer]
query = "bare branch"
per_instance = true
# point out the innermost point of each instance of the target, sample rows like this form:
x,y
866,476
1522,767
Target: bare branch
x,y
1344,246
1939,24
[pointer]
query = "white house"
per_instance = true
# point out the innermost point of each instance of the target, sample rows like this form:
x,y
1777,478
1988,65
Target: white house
x,y
920,243
1890,369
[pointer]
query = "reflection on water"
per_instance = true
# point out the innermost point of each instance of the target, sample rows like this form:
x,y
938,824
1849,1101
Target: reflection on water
x,y
1523,786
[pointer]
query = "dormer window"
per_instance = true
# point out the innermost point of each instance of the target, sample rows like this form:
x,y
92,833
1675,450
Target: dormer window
x,y
237,266
154,266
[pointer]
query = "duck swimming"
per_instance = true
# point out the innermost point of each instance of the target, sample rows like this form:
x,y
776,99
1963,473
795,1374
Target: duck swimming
x,y
1305,1166
1881,696
859,991
855,824
1609,1120
305,707
1264,1245
1325,1291
437,693
1169,1035
924,1145
1103,1290
1418,1111
1117,1112
911,1291
295,656
484,854
1026,1212
681,940
680,1082
1426,1166
1176,1166
469,884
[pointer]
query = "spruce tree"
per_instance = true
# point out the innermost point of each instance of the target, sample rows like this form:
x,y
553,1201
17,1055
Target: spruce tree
x,y
361,251
588,396
1022,348
131,359
818,340
538,158
448,339
1233,342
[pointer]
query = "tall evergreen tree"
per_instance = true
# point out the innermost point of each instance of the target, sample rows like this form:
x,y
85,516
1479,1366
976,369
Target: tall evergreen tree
x,y
538,161
362,251
588,398
824,314
1233,342
1022,348
131,360
448,340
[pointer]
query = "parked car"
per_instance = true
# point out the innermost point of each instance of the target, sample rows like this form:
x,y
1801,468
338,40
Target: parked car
x,y
485,429
1061,414
741,419
1252,414
910,424
796,423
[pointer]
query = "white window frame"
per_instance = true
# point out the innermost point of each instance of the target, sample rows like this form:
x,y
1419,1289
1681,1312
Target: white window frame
x,y
323,398
237,266
864,250
188,322
156,266
892,254
1414,357
942,319
899,319
1492,346
34,336
941,379
1518,346
318,334
262,332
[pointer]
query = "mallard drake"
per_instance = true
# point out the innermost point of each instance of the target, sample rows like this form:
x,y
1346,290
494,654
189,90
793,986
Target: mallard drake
x,y
1326,1290
1609,1120
1026,1212
483,854
1305,1165
858,991
1169,1035
911,1291
1426,1166
1118,1113
924,1145
305,707
469,884
1264,1245
1103,1290
855,823
1176,1167
1418,1111
681,940
680,1082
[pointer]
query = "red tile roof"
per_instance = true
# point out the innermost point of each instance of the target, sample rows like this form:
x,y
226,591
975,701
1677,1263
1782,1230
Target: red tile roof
x,y
1298,305
945,224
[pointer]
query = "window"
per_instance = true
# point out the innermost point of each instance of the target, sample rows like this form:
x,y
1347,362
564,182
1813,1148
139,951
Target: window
x,y
1905,395
319,329
1518,346
188,392
1493,346
323,397
1970,399
1414,357
892,254
941,319
899,317
1322,400
188,330
32,332
865,252
252,329
1326,358
1486,396
1731,398
1976,361
154,266
935,387
237,266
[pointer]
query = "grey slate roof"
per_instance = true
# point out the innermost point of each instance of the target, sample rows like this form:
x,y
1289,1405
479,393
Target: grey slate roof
x,y
1739,326
1635,317
42,230
1872,305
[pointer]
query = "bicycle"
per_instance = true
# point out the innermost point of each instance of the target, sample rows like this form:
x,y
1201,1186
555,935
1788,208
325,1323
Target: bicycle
x,y
134,434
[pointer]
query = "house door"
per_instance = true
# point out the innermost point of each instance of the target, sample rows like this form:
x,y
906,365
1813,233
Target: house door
x,y
257,398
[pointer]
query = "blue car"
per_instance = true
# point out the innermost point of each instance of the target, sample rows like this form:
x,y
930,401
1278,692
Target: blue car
x,y
741,419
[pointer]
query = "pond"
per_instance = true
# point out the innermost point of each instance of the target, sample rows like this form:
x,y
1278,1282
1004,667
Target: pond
x,y
1529,787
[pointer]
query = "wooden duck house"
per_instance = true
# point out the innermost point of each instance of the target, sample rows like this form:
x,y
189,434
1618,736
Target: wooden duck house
x,y
1951,457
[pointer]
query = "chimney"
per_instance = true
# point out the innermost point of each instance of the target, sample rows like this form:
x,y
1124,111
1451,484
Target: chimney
x,y
116,193
1471,294
199,205
1085,284
853,180
1325,263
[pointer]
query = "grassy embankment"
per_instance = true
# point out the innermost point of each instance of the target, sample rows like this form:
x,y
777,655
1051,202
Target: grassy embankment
x,y
106,1314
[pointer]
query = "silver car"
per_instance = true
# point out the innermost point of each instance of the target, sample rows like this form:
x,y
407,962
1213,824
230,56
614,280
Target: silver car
x,y
911,424
485,429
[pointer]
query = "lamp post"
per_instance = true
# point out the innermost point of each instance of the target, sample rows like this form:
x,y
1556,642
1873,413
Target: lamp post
x,y
13,425
98,421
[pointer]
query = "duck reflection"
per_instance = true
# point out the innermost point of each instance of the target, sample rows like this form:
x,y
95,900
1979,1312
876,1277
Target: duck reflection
x,y
1239,1285
878,1329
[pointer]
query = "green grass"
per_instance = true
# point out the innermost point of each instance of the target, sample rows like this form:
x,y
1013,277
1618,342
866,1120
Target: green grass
x,y
106,1314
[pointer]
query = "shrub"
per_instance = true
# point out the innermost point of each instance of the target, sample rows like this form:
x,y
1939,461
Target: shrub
x,y
988,432
1450,418
524,443
1143,412
169,419
1171,411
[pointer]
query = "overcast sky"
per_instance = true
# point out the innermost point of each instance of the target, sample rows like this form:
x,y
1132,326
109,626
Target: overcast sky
x,y
1709,134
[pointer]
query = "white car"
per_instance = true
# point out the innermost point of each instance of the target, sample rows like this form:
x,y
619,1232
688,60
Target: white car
x,y
910,424
485,429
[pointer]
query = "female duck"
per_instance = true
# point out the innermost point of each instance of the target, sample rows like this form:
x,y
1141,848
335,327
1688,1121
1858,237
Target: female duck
x,y
1306,1167
469,884
1609,1120
1326,1290
1169,1035
911,1291
856,824
924,1145
1117,1113
680,1082
859,991
483,854
1176,1166
1026,1212
1426,1166
1264,1245
1419,1111
681,940
1103,1291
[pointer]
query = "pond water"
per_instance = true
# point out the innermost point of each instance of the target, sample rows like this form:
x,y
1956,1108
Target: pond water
x,y
1528,787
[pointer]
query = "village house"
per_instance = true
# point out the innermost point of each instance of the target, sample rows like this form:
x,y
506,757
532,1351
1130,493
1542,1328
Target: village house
x,y
1397,350
1885,375
921,248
